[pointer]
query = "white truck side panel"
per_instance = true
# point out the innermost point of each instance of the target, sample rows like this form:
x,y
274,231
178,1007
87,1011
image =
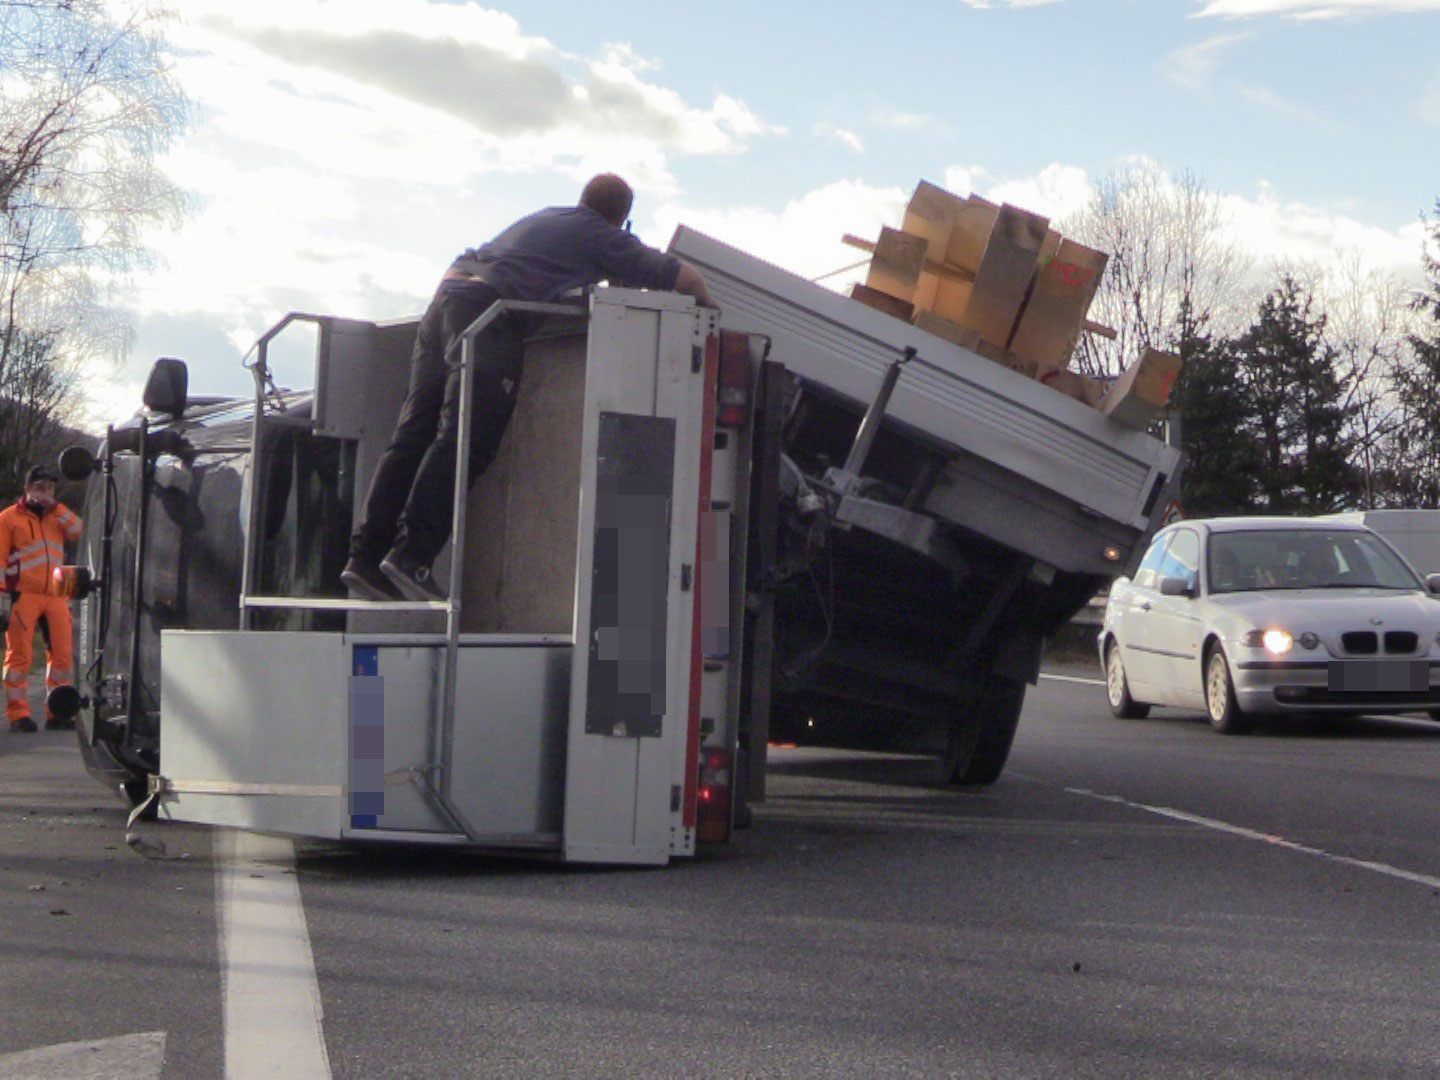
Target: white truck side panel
x,y
620,789
258,712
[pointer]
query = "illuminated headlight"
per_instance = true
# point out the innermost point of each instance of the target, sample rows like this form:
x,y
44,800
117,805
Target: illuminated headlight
x,y
1275,641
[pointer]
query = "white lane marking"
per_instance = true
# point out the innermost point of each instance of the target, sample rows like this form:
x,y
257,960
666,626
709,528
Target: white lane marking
x,y
140,1057
1264,838
273,1015
1072,678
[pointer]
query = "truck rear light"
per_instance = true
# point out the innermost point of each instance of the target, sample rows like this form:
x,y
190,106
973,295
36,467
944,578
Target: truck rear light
x,y
712,819
732,394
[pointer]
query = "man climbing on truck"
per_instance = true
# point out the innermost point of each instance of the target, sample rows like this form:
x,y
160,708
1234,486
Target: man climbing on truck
x,y
33,533
407,513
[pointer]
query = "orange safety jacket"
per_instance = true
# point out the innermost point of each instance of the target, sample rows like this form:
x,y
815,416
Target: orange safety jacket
x,y
32,545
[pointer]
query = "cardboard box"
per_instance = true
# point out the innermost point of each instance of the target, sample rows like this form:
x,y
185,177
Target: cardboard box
x,y
895,266
890,305
1142,393
951,331
1072,384
1003,278
1054,315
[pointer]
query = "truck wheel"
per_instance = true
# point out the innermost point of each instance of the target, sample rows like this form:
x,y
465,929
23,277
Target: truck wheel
x,y
1117,688
998,712
1220,703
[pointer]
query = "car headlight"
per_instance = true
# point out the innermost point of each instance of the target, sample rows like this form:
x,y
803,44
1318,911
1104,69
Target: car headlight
x,y
1274,641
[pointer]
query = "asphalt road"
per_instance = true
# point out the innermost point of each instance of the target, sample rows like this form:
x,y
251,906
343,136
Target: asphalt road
x,y
1132,898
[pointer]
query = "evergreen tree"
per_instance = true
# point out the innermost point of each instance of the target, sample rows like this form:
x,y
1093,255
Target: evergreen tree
x,y
1296,408
1416,480
1222,461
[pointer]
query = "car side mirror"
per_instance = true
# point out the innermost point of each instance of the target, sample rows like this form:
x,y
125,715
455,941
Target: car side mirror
x,y
166,390
1176,586
1432,583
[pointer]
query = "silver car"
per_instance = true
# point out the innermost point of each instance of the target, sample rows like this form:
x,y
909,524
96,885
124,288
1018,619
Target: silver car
x,y
1243,616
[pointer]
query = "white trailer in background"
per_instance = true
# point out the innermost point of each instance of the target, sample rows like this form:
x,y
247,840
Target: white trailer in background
x,y
1413,533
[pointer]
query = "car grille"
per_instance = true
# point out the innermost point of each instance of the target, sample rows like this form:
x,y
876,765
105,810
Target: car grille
x,y
1367,642
1319,695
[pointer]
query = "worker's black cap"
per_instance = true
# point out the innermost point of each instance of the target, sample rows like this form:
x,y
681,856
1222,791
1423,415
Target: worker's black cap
x,y
39,473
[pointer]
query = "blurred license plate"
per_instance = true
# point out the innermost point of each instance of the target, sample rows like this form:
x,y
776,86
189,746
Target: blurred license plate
x,y
1371,675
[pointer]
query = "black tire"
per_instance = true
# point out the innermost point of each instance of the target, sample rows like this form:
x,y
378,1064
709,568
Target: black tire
x,y
998,712
1220,704
1117,688
1434,714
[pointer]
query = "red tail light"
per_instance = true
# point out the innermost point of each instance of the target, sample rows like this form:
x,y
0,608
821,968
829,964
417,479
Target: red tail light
x,y
733,386
712,818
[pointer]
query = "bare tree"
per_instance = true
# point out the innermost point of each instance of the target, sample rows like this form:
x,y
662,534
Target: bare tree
x,y
1174,268
87,103
1368,318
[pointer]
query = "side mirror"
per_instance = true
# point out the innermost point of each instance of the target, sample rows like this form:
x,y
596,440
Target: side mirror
x,y
1432,583
167,387
76,463
1176,586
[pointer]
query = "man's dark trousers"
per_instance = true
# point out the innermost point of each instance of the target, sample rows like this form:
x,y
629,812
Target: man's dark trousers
x,y
410,503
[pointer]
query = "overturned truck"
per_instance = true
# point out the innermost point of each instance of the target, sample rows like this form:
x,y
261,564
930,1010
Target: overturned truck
x,y
871,532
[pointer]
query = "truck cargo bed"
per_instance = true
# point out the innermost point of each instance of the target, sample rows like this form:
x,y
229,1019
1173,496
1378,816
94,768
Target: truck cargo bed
x,y
1028,467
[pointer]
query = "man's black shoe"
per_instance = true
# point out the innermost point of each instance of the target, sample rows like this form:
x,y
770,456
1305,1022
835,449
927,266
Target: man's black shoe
x,y
412,578
366,582
59,723
24,724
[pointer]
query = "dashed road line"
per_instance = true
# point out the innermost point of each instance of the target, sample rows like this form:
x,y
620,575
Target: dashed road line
x,y
1072,678
1264,838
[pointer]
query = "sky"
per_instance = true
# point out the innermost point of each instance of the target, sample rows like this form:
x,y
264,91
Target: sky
x,y
342,152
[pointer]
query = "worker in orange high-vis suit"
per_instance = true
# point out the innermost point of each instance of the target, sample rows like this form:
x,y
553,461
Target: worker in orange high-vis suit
x,y
33,532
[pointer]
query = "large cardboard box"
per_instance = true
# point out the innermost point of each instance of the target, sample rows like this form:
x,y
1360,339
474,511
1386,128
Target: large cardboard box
x,y
1142,393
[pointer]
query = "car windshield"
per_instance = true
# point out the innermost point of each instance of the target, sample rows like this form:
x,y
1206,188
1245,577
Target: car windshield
x,y
1304,559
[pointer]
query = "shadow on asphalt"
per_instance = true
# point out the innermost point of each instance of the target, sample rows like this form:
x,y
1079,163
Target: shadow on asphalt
x,y
892,770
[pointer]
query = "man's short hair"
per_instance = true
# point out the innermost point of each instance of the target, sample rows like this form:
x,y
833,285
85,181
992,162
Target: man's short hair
x,y
609,196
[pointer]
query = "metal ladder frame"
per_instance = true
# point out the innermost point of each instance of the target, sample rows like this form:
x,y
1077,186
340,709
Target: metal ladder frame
x,y
441,736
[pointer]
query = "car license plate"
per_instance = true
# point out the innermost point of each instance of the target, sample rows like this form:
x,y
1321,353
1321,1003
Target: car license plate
x,y
1368,676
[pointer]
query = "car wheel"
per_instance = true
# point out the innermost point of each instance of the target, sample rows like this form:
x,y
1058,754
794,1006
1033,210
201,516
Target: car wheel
x,y
1220,703
1117,688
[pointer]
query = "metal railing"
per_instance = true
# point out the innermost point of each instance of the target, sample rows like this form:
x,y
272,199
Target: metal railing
x,y
441,734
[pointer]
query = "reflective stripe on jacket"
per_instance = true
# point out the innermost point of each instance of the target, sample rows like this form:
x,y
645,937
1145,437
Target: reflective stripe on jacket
x,y
31,545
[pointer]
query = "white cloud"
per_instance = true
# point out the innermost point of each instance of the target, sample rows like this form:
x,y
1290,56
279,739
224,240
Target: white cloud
x,y
1311,9
803,236
1192,65
1055,191
895,118
1270,100
841,135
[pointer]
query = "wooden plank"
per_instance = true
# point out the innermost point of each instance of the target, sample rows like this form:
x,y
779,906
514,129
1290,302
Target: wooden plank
x,y
928,266
882,301
896,264
1054,315
1142,393
1004,274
